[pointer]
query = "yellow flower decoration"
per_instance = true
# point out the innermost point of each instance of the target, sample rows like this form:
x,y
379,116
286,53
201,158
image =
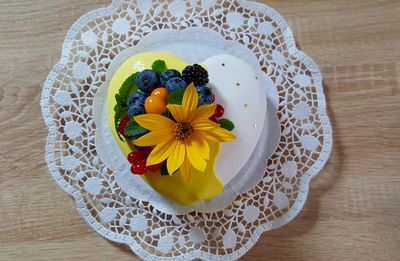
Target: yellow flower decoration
x,y
183,142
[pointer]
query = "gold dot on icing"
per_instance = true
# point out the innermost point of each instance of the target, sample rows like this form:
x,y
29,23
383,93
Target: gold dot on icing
x,y
254,125
238,84
223,64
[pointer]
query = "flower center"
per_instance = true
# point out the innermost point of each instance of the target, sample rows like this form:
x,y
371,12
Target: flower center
x,y
183,130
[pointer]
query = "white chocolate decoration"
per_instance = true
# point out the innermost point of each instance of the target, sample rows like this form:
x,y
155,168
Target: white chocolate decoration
x,y
237,88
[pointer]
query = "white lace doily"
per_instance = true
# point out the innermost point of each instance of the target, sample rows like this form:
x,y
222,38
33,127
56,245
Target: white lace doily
x,y
67,100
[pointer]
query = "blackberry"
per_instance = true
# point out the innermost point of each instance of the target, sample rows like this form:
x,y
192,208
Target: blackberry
x,y
196,74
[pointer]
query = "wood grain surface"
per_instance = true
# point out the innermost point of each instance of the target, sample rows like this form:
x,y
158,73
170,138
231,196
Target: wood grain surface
x,y
353,209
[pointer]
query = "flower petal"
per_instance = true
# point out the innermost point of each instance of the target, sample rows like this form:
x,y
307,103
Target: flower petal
x,y
177,112
161,152
204,125
175,161
195,159
154,138
204,112
154,121
186,170
190,100
218,135
201,145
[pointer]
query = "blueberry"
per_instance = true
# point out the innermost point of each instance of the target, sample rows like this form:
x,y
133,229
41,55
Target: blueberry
x,y
135,110
136,98
175,83
168,74
136,103
147,80
205,95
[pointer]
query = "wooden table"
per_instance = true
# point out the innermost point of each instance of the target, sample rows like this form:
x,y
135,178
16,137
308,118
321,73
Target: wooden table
x,y
353,209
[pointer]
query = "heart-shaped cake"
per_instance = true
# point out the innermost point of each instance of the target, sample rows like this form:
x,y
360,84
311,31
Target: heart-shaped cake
x,y
186,129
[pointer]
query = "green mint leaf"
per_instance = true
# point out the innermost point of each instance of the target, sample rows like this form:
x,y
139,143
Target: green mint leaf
x,y
226,124
127,87
159,66
176,96
133,129
120,101
121,98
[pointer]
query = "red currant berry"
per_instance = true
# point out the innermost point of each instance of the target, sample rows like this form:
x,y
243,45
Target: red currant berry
x,y
139,168
154,168
135,157
122,124
219,111
214,119
147,150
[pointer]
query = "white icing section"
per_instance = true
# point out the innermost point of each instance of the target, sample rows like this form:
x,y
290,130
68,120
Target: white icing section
x,y
237,88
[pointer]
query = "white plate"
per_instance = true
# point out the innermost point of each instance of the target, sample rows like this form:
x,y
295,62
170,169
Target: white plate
x,y
238,165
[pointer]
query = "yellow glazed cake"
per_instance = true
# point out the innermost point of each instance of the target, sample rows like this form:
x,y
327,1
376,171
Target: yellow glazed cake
x,y
170,120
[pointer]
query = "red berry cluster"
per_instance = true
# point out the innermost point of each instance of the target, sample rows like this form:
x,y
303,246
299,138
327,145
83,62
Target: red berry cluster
x,y
138,161
122,124
219,112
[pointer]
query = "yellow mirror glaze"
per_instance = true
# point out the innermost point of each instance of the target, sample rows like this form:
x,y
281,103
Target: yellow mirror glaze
x,y
201,186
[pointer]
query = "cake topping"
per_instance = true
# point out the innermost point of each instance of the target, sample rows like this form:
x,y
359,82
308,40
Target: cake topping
x,y
175,83
155,104
136,103
183,141
196,74
122,124
147,80
182,130
161,91
168,74
139,167
205,95
170,119
219,111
